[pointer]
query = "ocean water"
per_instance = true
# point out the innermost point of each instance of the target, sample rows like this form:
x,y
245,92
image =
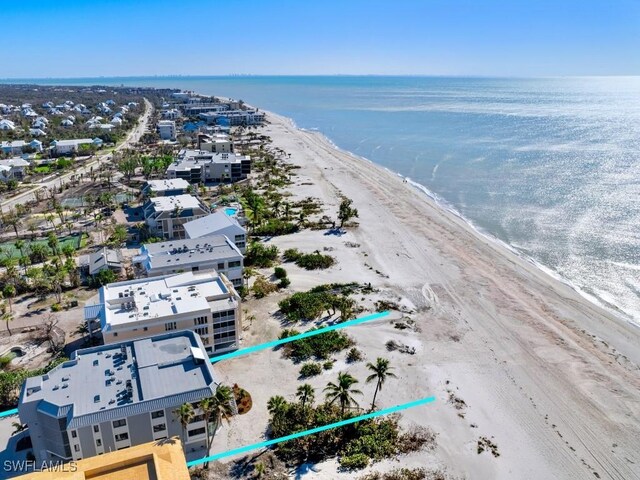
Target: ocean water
x,y
549,166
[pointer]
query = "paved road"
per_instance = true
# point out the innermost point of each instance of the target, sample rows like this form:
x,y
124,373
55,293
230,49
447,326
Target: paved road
x,y
55,183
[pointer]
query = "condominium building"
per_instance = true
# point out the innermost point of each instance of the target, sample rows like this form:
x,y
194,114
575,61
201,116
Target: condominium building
x,y
218,223
209,254
165,188
167,129
206,303
233,117
167,215
116,396
215,143
199,166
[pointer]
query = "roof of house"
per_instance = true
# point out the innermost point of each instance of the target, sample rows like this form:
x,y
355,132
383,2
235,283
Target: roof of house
x,y
13,144
75,142
181,202
116,381
211,225
14,162
104,258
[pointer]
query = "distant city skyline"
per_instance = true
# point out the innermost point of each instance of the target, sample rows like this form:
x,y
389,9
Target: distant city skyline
x,y
114,38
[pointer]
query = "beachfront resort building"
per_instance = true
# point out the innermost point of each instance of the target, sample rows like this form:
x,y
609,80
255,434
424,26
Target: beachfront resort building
x,y
165,188
208,254
199,166
206,303
167,129
166,215
218,223
233,117
149,461
116,396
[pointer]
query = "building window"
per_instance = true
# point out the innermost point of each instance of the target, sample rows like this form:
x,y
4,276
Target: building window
x,y
159,428
234,264
74,434
197,431
119,423
115,334
122,436
76,448
158,414
202,331
170,326
221,266
98,442
197,418
200,321
96,429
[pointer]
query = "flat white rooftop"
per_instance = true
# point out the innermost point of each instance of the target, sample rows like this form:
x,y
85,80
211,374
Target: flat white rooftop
x,y
181,202
167,184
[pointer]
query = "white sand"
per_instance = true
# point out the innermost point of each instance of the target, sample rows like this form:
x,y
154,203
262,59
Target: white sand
x,y
552,379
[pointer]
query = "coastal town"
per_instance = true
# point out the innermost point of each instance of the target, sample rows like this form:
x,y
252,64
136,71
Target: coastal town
x,y
155,243
133,258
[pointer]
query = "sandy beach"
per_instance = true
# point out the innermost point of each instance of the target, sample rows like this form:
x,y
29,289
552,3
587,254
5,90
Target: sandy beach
x,y
550,378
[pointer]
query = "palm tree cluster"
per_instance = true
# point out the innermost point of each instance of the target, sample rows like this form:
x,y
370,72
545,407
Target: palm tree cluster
x,y
211,409
341,402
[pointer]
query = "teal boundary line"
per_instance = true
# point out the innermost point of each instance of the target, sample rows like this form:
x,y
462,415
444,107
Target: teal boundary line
x,y
6,413
275,343
267,443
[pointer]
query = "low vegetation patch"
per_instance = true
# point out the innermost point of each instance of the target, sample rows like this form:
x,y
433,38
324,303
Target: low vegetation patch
x,y
274,227
310,369
309,261
310,305
318,346
408,474
263,287
260,255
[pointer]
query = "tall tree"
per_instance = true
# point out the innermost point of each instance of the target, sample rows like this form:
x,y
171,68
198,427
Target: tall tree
x,y
342,391
381,371
346,212
305,394
185,415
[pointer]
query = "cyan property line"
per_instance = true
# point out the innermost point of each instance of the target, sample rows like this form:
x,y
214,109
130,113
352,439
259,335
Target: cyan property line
x,y
6,413
267,443
275,343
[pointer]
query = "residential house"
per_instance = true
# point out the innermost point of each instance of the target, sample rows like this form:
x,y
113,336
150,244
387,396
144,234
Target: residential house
x,y
102,259
36,145
218,223
116,396
7,125
198,166
208,254
68,147
37,132
13,147
13,169
166,216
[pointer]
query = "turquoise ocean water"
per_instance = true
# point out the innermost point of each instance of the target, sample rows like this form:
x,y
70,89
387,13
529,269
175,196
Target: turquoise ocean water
x,y
549,166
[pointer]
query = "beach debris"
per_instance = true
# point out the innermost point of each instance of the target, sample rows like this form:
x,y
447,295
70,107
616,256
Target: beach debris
x,y
392,345
485,444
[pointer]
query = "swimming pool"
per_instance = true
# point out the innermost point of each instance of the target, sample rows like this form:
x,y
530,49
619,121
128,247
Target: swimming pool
x,y
230,211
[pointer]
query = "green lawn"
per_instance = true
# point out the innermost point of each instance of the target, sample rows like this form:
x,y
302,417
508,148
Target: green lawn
x,y
8,249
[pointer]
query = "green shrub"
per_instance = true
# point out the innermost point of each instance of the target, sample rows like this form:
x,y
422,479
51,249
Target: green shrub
x,y
291,255
280,273
56,307
310,369
318,346
315,261
274,227
243,292
303,306
328,365
354,355
4,361
284,282
354,462
262,287
260,255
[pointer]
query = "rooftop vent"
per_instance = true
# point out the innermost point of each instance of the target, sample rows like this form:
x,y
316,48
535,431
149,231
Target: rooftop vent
x,y
56,387
112,401
96,398
65,379
65,385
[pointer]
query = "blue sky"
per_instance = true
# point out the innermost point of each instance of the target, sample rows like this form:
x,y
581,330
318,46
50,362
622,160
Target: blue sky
x,y
74,38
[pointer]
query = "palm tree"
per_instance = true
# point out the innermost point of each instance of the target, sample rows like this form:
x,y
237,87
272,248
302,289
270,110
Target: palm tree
x,y
185,415
222,404
20,246
83,329
208,407
9,291
342,391
276,405
381,371
305,393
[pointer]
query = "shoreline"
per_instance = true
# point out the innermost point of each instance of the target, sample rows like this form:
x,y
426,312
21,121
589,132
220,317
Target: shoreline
x,y
551,377
445,206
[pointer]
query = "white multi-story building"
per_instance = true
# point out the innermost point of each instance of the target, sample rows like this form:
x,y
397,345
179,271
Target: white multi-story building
x,y
206,303
198,166
167,129
167,215
218,223
215,143
208,254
